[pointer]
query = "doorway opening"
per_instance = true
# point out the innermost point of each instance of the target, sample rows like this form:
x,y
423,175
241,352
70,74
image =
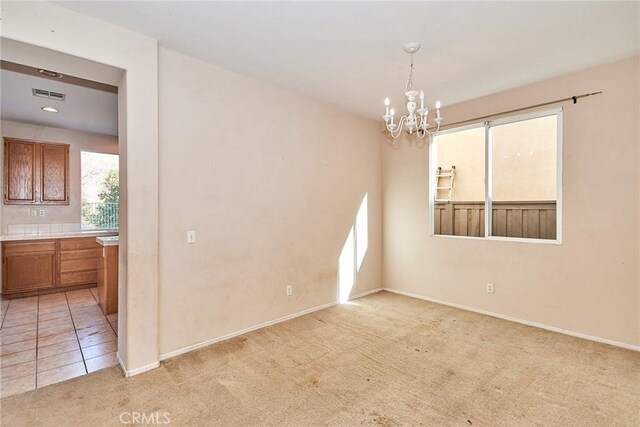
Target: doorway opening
x,y
59,220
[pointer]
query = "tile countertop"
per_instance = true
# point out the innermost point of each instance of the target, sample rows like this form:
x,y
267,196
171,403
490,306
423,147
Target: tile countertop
x,y
108,240
67,235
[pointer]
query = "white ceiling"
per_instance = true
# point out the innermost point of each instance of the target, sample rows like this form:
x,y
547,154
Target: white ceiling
x,y
84,109
350,53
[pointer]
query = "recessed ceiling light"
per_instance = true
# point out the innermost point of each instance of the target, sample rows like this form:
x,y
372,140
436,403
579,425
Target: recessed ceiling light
x,y
50,109
49,73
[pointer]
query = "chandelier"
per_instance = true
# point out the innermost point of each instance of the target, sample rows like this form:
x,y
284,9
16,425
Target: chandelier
x,y
416,121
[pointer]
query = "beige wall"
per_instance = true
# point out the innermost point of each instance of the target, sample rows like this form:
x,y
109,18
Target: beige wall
x,y
79,141
523,155
590,284
272,183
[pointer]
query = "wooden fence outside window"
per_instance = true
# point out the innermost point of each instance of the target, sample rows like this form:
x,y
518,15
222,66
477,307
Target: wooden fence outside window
x,y
533,220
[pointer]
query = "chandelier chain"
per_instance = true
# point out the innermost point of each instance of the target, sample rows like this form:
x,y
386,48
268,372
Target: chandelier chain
x,y
409,85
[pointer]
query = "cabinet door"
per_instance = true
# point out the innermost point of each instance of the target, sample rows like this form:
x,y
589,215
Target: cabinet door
x,y
54,173
28,266
19,171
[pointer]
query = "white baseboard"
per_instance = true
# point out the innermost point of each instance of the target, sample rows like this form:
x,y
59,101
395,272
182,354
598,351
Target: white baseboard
x,y
364,294
524,322
132,372
193,347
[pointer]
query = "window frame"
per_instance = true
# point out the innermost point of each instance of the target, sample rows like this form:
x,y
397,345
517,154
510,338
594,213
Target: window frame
x,y
488,176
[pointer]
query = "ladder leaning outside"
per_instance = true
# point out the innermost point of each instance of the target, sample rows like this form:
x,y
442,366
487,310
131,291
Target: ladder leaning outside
x,y
444,174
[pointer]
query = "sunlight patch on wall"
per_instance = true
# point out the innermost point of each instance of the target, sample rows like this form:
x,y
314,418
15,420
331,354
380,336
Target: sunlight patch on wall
x,y
362,232
353,252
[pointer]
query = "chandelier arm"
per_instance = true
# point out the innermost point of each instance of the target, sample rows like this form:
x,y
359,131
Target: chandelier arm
x,y
433,132
395,133
401,123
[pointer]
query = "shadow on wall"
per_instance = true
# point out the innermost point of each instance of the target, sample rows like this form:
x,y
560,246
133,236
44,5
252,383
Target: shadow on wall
x,y
353,252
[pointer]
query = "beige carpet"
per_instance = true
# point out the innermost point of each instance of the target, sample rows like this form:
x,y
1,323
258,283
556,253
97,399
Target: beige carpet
x,y
382,360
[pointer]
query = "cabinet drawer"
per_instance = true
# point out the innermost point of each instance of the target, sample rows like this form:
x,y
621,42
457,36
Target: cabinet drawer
x,y
78,265
80,243
80,254
78,278
10,248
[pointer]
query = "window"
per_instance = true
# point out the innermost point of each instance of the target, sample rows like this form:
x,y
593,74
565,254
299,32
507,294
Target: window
x,y
509,168
100,190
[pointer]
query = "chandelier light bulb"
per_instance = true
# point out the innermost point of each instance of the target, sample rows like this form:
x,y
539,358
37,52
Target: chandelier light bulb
x,y
386,102
438,105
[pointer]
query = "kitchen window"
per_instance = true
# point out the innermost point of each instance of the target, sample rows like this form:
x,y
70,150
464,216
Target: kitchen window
x,y
100,188
499,180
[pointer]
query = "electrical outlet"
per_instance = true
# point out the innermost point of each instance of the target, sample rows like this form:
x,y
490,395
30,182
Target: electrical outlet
x,y
41,212
33,212
191,236
490,288
289,290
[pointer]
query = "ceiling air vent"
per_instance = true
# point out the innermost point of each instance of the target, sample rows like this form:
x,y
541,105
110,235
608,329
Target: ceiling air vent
x,y
42,93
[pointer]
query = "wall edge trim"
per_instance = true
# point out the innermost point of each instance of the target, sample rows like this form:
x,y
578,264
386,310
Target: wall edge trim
x,y
521,321
190,348
136,371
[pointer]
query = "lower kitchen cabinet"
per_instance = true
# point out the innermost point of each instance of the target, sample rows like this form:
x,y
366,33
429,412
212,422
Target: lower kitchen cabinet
x,y
28,267
108,280
78,261
43,266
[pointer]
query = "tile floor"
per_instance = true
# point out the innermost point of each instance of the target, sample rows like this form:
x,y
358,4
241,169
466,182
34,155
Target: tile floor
x,y
51,338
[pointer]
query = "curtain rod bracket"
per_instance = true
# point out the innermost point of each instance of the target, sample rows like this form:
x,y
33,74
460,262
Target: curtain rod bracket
x,y
575,99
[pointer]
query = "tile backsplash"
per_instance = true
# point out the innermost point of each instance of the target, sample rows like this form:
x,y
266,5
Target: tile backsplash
x,y
55,228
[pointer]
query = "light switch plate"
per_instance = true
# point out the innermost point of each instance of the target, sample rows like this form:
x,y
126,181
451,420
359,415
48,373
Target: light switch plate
x,y
191,236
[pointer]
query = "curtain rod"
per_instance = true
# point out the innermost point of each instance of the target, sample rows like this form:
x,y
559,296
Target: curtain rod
x,y
517,110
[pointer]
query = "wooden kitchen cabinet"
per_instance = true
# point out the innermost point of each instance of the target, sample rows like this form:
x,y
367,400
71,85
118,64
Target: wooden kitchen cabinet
x,y
19,171
43,266
28,266
78,261
108,280
35,172
54,169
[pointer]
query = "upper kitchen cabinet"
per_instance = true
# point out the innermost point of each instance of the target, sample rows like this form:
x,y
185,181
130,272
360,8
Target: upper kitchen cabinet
x,y
54,166
35,173
19,171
